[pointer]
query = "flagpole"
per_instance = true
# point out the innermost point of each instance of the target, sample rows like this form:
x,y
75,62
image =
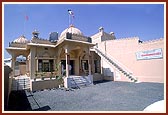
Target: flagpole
x,y
69,19
71,16
24,26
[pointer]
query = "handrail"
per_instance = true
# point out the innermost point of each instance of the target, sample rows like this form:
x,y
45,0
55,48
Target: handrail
x,y
117,65
114,60
75,83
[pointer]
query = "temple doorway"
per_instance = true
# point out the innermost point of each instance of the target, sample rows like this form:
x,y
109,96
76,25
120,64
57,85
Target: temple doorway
x,y
71,68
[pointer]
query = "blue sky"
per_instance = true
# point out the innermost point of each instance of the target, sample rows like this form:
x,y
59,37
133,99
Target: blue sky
x,y
126,20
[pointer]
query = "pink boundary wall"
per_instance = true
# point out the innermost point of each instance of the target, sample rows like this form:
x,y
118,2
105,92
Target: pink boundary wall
x,y
124,51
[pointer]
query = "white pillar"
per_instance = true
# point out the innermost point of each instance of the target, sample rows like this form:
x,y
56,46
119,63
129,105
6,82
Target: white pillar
x,y
67,62
89,64
37,64
67,69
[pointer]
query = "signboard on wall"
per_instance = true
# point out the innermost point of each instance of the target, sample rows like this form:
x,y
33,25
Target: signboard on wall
x,y
149,54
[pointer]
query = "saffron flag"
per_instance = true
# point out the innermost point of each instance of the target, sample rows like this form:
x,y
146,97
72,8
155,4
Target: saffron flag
x,y
26,17
71,13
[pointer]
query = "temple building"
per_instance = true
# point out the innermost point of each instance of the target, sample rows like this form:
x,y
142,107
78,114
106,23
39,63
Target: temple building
x,y
80,59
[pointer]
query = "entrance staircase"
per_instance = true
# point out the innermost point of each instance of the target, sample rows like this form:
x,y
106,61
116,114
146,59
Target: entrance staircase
x,y
79,81
126,73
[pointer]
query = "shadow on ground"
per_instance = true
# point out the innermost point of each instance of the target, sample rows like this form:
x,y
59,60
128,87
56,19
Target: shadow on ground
x,y
18,101
102,81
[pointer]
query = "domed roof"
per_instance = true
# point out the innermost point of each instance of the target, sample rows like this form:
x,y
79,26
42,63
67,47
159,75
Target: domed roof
x,y
21,39
72,30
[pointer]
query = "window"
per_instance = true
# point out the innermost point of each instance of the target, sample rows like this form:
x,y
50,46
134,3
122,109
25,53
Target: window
x,y
51,64
40,66
45,65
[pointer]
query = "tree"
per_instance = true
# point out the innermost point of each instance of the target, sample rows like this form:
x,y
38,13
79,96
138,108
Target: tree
x,y
59,77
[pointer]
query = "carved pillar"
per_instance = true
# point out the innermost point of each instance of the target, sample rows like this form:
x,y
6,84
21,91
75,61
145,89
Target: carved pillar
x,y
58,61
89,59
90,76
89,63
27,65
32,65
28,69
13,65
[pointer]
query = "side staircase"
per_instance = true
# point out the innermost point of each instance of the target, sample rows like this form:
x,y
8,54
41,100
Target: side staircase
x,y
79,81
112,62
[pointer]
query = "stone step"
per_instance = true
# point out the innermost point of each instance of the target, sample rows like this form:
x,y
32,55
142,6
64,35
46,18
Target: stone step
x,y
79,81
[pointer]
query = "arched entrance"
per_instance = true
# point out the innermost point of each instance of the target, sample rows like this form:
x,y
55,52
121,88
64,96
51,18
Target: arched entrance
x,y
20,65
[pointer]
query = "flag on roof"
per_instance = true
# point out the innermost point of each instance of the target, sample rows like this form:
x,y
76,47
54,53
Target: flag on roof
x,y
26,17
71,13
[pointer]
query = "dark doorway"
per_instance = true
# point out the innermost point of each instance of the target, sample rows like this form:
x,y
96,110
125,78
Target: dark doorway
x,y
84,64
85,67
63,66
72,67
95,62
97,66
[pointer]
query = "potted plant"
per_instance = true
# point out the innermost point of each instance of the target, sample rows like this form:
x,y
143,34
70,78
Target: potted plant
x,y
51,75
59,77
42,75
36,73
